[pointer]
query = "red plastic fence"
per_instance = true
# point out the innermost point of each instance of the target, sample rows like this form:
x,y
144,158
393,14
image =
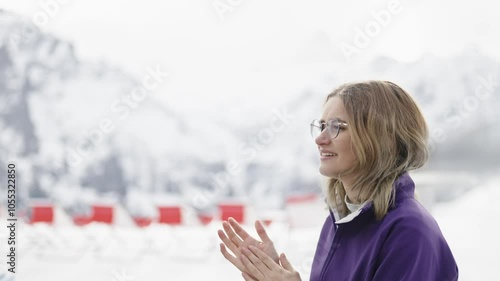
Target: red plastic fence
x,y
170,215
236,211
42,214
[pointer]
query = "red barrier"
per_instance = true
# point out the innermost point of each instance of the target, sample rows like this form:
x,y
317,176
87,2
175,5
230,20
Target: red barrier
x,y
143,221
170,215
102,213
205,219
81,220
234,210
42,214
302,198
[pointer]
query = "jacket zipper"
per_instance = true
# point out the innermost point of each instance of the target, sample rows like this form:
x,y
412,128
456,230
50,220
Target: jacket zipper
x,y
332,250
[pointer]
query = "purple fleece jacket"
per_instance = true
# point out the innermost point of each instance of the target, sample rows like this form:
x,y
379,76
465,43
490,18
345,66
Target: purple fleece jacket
x,y
406,244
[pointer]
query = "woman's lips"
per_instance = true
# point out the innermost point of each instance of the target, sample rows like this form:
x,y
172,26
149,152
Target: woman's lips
x,y
327,155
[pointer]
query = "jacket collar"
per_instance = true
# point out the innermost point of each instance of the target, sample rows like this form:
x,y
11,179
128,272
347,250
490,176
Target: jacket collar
x,y
404,188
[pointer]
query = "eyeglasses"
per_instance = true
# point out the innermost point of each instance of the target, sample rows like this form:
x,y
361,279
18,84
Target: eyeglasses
x,y
332,127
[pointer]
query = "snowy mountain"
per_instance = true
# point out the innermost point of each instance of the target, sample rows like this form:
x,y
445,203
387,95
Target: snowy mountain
x,y
80,131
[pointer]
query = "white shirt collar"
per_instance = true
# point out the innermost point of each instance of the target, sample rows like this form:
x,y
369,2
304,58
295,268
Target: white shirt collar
x,y
355,210
351,206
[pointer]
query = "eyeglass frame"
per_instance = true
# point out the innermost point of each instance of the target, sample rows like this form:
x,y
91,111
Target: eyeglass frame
x,y
327,125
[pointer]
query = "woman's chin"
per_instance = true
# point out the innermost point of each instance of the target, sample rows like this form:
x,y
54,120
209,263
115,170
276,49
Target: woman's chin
x,y
328,172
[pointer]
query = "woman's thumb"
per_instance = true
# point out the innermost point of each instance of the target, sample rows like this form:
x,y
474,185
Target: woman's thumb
x,y
285,263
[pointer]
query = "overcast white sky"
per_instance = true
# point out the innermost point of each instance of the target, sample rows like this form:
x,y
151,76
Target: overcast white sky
x,y
261,47
189,37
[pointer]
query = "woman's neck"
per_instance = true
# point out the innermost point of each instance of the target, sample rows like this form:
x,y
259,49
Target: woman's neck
x,y
352,195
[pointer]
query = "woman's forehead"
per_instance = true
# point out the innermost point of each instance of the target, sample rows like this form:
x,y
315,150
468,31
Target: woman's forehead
x,y
334,109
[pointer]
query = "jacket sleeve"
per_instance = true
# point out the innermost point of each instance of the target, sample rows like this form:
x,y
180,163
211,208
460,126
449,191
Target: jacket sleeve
x,y
414,251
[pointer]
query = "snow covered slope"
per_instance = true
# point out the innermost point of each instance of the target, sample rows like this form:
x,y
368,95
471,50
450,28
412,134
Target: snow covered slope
x,y
82,130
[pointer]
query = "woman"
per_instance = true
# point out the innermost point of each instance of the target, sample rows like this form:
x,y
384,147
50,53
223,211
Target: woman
x,y
369,136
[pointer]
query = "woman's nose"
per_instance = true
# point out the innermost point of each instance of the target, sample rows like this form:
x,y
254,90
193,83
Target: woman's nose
x,y
323,138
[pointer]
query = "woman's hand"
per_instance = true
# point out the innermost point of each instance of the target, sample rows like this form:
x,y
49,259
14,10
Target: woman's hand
x,y
235,237
261,267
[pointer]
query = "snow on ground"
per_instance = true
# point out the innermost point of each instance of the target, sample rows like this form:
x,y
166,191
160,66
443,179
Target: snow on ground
x,y
471,225
99,252
103,253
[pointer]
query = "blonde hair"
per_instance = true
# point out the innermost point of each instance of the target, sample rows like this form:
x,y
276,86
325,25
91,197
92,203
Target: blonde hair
x,y
389,137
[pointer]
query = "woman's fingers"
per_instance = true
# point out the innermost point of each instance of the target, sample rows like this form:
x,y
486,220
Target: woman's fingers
x,y
232,259
227,242
251,268
247,277
263,258
286,263
238,229
256,261
232,236
226,254
234,249
261,231
235,238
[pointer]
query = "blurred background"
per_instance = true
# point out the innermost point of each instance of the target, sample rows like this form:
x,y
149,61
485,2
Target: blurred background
x,y
137,126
